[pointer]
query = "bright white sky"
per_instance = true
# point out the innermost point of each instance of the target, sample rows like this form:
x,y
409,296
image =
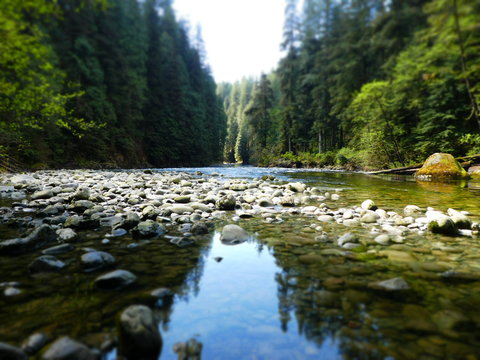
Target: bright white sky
x,y
242,37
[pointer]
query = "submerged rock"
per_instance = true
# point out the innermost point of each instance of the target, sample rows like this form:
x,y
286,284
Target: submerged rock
x,y
139,338
95,260
59,249
39,237
46,263
115,280
68,349
34,343
441,166
9,352
395,284
233,234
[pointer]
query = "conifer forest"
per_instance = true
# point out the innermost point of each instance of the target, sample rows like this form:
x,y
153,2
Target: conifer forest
x,y
124,83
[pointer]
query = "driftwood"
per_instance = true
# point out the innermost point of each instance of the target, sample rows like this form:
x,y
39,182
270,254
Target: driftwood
x,y
465,162
9,164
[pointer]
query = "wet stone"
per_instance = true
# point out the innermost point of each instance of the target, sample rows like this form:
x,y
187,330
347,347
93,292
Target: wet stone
x,y
199,228
68,349
59,249
139,337
182,242
96,260
347,238
39,237
233,234
43,194
149,228
46,263
11,291
115,280
9,352
395,284
163,296
34,343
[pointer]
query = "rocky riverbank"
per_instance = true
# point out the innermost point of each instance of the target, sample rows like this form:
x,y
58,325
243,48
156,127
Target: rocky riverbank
x,y
50,215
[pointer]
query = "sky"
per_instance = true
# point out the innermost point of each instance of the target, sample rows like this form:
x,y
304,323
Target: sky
x,y
242,37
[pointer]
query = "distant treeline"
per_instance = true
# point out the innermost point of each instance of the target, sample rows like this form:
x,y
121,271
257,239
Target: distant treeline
x,y
371,83
104,83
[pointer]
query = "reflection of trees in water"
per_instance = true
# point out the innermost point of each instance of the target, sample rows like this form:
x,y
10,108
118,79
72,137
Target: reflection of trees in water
x,y
332,300
322,315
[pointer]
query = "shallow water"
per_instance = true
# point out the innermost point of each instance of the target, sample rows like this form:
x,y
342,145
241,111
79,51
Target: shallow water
x,y
280,295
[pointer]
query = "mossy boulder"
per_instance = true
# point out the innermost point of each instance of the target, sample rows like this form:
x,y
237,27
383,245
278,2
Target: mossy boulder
x,y
441,166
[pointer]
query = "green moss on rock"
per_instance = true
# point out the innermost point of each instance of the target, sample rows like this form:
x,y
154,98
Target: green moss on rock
x,y
441,166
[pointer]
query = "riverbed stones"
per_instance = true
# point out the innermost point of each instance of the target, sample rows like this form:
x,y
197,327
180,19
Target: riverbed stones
x,y
461,220
39,237
296,187
22,179
67,349
148,229
199,228
383,239
395,284
369,217
115,280
398,256
9,352
226,203
66,235
42,194
34,343
347,238
441,224
59,249
139,338
411,210
234,234
441,166
369,205
181,209
95,260
46,263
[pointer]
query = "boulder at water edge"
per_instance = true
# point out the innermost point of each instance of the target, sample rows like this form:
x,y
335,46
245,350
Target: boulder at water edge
x,y
474,171
441,166
139,338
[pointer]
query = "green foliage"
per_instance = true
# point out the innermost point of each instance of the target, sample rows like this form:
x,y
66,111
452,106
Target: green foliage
x,y
471,142
367,84
31,83
104,82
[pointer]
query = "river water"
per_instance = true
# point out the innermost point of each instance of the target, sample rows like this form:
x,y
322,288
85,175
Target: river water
x,y
266,299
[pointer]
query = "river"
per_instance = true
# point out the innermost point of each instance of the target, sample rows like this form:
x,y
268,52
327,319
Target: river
x,y
267,299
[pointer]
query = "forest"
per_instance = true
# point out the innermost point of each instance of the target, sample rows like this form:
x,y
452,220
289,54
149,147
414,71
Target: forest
x,y
123,83
104,83
362,84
